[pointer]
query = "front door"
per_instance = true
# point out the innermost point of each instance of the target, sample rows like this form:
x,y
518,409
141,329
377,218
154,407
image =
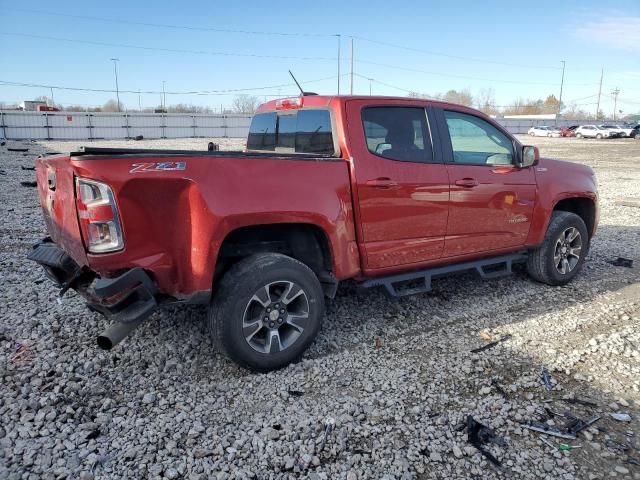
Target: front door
x,y
491,200
401,184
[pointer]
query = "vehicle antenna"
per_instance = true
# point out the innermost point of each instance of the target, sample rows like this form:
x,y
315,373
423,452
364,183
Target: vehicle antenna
x,y
299,87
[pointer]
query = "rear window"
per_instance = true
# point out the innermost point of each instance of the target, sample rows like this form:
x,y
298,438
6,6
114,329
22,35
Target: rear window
x,y
301,131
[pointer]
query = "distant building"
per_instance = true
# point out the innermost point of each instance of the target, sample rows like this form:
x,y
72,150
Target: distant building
x,y
31,105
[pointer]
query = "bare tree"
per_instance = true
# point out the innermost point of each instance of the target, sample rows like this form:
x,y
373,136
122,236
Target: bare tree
x,y
112,106
462,97
486,101
244,103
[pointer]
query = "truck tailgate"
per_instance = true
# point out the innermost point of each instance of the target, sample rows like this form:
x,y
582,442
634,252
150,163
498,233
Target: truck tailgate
x,y
56,191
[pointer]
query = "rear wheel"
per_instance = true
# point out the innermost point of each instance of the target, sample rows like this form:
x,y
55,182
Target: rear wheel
x,y
561,256
578,135
599,136
267,311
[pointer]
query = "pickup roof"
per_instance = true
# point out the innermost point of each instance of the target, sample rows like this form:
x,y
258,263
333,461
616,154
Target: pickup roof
x,y
386,191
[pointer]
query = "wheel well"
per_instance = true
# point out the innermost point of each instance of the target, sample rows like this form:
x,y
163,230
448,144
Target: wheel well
x,y
583,207
304,242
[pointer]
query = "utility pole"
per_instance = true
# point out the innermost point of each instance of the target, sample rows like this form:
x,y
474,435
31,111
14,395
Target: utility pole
x,y
339,41
53,104
370,80
115,71
139,101
164,97
615,94
351,70
561,85
599,93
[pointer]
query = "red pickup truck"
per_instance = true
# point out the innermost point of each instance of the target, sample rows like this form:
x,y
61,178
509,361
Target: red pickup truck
x,y
386,191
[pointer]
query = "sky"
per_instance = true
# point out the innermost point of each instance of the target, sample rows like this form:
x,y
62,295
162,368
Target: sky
x,y
211,47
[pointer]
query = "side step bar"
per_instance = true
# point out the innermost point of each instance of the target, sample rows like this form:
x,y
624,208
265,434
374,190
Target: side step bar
x,y
487,268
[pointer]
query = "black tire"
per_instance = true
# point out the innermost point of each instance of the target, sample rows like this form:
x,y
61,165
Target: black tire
x,y
236,295
541,263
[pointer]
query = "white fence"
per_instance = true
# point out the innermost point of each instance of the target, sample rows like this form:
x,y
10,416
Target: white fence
x,y
88,126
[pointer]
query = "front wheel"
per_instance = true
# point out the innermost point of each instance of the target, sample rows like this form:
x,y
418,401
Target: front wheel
x,y
267,311
578,135
599,136
561,256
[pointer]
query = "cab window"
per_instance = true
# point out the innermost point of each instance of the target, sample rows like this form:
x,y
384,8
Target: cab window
x,y
398,133
300,131
475,141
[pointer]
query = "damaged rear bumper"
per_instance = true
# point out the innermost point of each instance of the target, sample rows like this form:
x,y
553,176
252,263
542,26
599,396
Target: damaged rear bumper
x,y
127,298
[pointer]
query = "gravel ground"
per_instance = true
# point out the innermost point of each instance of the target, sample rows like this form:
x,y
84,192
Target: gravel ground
x,y
379,395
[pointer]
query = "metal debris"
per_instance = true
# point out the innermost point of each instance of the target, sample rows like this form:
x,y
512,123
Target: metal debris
x,y
490,345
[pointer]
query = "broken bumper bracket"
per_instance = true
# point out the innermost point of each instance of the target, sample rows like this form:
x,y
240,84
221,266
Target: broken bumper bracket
x,y
129,297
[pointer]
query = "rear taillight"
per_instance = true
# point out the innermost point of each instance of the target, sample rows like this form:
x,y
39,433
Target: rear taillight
x,y
98,216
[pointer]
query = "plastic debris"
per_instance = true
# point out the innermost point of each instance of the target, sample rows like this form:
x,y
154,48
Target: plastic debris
x,y
17,149
490,345
22,167
545,376
621,262
29,184
479,435
563,447
621,417
213,147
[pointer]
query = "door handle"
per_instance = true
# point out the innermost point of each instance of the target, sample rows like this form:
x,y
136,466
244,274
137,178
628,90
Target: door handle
x,y
382,182
467,182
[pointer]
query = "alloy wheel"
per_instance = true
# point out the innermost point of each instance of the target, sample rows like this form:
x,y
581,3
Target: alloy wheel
x,y
567,250
275,316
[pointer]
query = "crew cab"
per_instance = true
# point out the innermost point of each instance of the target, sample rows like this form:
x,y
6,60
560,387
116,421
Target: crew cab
x,y
390,192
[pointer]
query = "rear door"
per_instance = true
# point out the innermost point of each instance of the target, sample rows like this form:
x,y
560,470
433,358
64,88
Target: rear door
x,y
400,183
491,200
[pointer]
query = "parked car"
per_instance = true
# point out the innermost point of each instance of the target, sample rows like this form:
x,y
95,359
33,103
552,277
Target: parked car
x,y
569,131
615,130
630,130
592,131
544,131
329,189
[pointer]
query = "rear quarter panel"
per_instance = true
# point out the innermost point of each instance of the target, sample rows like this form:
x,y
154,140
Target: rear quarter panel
x,y
174,222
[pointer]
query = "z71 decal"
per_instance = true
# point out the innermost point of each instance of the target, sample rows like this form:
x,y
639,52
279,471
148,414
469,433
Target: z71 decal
x,y
157,167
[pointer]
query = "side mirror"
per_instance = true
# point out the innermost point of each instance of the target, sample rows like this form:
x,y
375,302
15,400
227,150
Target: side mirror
x,y
530,156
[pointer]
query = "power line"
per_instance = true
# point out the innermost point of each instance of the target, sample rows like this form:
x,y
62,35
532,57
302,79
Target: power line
x,y
156,92
457,57
466,77
160,49
284,57
180,27
406,90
